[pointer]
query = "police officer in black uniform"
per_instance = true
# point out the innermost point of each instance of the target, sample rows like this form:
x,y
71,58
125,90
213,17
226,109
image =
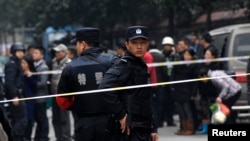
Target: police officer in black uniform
x,y
13,86
131,107
85,73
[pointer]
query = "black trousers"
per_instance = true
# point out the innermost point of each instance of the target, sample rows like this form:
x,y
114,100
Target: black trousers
x,y
231,119
136,134
19,120
91,129
42,128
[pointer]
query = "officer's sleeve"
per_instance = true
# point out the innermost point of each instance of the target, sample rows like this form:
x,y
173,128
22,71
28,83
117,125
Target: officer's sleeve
x,y
65,84
115,77
10,74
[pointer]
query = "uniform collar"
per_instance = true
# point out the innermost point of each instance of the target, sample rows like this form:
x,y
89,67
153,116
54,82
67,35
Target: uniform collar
x,y
14,58
38,63
132,57
92,50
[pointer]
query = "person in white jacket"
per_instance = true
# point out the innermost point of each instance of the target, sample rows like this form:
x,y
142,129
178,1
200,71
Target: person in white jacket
x,y
229,89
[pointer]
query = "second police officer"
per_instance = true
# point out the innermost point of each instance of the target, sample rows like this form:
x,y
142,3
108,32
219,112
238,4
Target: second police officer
x,y
85,73
13,86
131,107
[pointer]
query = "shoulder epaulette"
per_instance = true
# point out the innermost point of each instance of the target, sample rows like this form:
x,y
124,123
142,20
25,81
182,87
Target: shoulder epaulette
x,y
123,60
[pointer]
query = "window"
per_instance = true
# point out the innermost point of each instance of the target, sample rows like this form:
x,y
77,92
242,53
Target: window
x,y
242,45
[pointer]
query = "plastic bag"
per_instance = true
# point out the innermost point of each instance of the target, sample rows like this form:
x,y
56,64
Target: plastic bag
x,y
219,113
224,109
214,107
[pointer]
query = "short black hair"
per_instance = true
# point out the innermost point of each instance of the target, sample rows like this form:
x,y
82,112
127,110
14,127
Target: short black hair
x,y
41,49
31,46
207,37
73,51
120,45
185,40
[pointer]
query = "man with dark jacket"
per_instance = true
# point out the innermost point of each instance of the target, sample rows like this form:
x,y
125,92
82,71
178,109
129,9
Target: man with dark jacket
x,y
13,85
131,107
81,74
207,91
206,43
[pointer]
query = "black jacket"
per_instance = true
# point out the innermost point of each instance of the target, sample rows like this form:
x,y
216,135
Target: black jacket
x,y
137,103
184,91
82,74
161,71
13,78
208,90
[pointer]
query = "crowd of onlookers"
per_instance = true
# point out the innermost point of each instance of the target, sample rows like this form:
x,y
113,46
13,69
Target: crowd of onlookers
x,y
184,94
178,98
23,79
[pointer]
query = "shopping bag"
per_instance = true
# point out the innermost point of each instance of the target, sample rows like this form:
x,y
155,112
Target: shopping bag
x,y
224,109
219,116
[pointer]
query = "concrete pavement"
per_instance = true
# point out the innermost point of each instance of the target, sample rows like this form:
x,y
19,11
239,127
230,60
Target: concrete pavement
x,y
168,134
165,133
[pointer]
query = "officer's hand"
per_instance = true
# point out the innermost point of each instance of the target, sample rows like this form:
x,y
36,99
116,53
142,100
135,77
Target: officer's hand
x,y
15,101
128,130
154,136
123,123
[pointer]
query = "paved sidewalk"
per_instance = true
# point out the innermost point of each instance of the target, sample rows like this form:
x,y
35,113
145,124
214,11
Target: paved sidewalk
x,y
165,133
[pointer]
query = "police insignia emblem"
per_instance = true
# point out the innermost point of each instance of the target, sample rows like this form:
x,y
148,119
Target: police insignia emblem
x,y
138,31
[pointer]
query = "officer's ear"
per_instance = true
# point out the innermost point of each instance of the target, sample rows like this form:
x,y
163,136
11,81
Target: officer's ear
x,y
83,44
126,45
